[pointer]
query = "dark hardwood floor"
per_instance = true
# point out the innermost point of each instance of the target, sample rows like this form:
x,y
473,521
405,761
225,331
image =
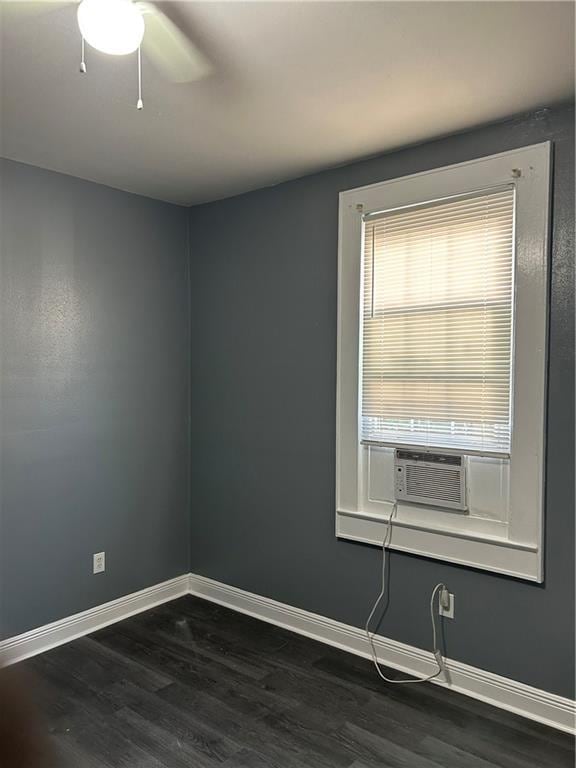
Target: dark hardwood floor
x,y
192,684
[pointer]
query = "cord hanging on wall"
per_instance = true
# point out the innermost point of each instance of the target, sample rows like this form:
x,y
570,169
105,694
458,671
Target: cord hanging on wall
x,y
438,589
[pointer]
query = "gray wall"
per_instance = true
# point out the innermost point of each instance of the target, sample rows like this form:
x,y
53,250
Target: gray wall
x,y
94,394
263,377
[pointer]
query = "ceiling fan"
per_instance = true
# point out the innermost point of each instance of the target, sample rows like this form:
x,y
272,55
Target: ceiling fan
x,y
122,27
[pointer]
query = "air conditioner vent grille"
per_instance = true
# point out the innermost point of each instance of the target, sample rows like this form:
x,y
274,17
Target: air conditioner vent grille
x,y
430,482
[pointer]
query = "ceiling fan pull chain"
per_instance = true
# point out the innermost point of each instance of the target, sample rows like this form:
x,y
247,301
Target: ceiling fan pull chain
x,y
139,103
82,61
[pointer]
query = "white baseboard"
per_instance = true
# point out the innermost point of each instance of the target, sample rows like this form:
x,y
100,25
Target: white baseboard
x,y
533,703
58,632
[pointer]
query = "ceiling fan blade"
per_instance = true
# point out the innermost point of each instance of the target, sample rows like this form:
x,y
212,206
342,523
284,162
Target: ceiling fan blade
x,y
171,49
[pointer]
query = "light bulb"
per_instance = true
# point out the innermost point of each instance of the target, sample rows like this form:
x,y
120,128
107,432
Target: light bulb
x,y
111,26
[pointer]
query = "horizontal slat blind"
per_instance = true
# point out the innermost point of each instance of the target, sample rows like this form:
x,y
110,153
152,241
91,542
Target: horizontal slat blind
x,y
437,324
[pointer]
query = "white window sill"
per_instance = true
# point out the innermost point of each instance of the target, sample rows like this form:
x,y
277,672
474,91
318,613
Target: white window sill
x,y
494,553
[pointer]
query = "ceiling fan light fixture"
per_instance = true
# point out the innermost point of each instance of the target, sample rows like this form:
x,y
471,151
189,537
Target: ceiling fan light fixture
x,y
115,27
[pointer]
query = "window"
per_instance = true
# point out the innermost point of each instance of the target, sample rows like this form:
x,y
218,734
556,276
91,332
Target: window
x,y
442,347
437,324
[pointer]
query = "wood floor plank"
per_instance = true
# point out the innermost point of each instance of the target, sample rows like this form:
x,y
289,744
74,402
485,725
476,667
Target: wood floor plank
x,y
244,721
191,684
172,748
204,739
456,717
246,759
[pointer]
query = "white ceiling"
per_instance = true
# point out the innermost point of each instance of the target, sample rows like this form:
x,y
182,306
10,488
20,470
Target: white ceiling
x,y
299,86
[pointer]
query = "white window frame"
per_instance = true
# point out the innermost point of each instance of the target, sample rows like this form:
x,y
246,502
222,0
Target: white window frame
x,y
516,547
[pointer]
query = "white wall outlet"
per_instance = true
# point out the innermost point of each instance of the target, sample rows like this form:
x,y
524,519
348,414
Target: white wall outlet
x,y
99,562
447,612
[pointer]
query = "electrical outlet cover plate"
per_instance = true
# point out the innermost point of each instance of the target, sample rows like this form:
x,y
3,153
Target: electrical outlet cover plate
x,y
99,562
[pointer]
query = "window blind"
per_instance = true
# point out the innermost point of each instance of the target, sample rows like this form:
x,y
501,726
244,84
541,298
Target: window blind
x,y
437,298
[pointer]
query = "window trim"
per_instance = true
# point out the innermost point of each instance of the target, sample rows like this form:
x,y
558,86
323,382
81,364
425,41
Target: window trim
x,y
518,549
